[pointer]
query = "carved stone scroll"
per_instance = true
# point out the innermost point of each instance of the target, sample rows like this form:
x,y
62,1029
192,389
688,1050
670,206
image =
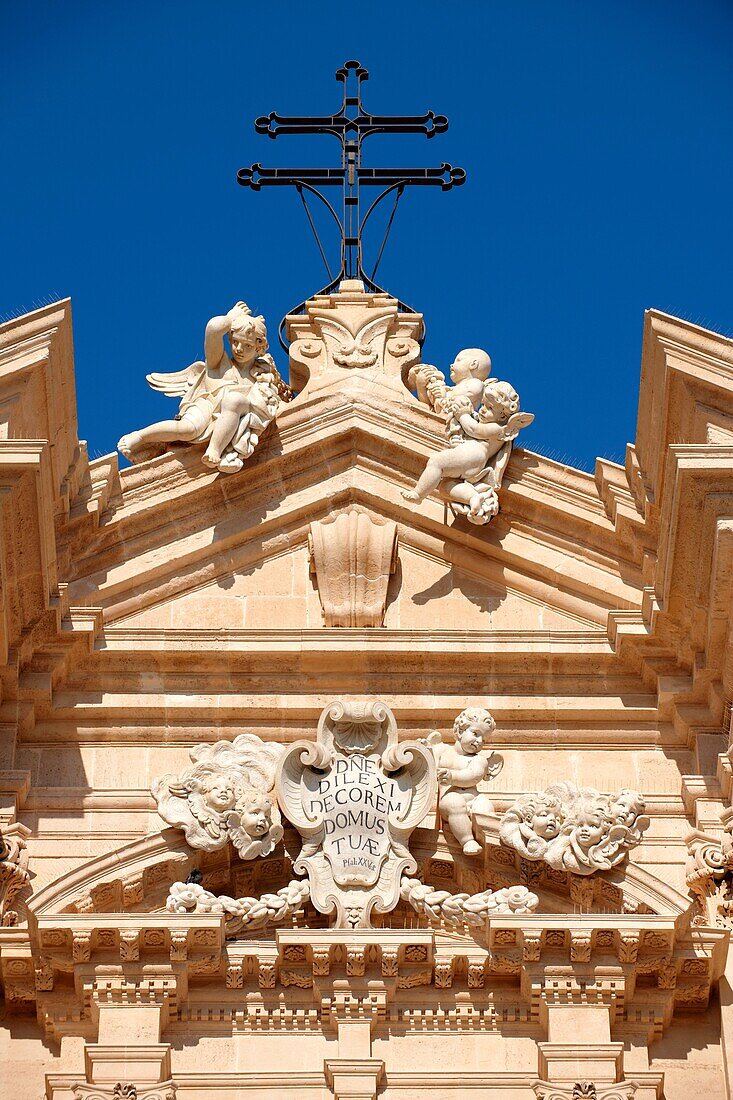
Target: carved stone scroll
x,y
353,556
121,1091
575,829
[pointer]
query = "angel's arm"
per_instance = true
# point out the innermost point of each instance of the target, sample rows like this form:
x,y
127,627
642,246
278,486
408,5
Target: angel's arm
x,y
474,428
470,775
216,330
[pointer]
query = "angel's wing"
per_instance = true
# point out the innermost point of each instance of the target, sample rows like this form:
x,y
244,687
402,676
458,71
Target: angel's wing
x,y
178,383
514,425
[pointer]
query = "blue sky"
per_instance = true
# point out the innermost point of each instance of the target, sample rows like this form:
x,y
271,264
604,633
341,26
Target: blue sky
x,y
596,138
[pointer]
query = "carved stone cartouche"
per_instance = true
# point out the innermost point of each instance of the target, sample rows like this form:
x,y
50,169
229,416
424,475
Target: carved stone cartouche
x,y
355,797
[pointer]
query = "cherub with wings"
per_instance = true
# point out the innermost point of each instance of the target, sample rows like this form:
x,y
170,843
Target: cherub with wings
x,y
473,466
460,769
227,400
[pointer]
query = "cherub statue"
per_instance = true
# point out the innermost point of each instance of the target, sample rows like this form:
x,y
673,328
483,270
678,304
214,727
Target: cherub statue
x,y
225,796
531,824
460,769
473,466
468,371
227,400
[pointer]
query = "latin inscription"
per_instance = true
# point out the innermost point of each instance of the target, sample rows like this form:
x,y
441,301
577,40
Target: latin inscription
x,y
355,799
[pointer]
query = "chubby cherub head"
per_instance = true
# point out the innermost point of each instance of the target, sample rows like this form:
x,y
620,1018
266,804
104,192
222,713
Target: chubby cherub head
x,y
218,790
472,729
591,824
626,807
542,813
499,402
248,335
255,814
470,363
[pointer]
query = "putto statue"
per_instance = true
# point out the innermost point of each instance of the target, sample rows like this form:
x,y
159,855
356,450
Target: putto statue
x,y
482,419
575,829
227,400
460,769
226,795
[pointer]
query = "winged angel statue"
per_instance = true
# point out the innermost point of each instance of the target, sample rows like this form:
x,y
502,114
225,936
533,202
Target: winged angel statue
x,y
226,795
227,399
483,419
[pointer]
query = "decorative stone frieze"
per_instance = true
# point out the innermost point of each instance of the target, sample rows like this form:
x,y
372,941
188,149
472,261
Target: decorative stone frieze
x,y
353,556
227,400
460,768
584,1090
226,795
164,1091
577,829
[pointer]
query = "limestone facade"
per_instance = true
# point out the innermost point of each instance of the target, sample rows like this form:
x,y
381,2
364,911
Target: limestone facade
x,y
149,612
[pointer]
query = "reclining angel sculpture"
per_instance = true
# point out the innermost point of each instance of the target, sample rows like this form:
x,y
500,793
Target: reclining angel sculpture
x,y
227,399
482,420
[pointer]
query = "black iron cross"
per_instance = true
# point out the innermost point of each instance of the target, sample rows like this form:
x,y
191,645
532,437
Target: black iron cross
x,y
351,125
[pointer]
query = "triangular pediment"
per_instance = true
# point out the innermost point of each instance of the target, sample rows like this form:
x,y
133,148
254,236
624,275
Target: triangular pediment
x,y
176,532
281,592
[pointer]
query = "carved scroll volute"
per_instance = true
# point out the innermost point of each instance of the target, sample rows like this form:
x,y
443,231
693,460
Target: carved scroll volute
x,y
353,557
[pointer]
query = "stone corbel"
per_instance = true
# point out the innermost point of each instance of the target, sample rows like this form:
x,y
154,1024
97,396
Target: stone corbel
x,y
708,874
354,1078
353,556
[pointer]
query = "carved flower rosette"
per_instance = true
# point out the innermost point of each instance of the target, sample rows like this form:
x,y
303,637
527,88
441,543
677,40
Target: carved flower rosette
x,y
355,796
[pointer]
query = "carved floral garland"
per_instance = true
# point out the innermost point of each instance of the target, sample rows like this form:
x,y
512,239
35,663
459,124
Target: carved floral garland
x,y
439,906
471,909
249,913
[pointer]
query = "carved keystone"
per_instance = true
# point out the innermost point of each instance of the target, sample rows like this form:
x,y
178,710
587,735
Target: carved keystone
x,y
353,557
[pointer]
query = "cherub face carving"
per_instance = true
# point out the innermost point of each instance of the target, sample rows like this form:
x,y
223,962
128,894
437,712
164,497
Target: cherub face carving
x,y
545,822
590,825
219,792
627,807
472,729
256,816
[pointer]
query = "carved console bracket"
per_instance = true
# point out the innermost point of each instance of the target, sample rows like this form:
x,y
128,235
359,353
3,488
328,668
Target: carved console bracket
x,y
353,556
13,869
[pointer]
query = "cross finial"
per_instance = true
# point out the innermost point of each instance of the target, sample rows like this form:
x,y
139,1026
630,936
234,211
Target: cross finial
x,y
351,124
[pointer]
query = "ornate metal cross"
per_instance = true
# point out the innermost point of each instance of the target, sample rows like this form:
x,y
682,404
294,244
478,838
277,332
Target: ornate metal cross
x,y
351,125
